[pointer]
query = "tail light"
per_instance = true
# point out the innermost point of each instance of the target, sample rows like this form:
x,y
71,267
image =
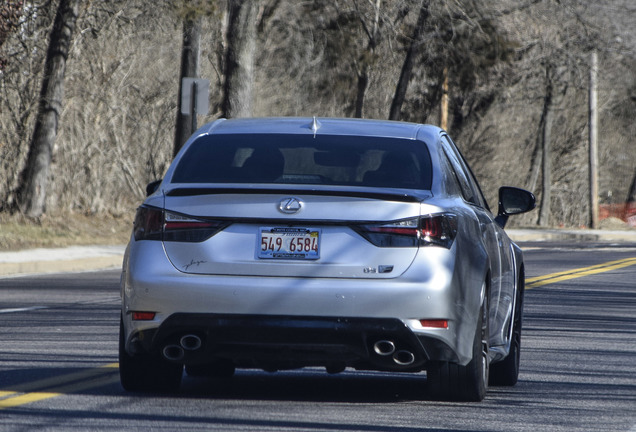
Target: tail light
x,y
431,230
438,230
148,223
153,223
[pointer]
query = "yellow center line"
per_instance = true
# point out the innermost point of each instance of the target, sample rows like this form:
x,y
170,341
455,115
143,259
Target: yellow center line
x,y
58,380
534,282
4,393
25,399
69,383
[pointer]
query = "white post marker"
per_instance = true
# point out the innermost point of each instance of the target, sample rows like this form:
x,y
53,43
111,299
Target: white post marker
x,y
194,98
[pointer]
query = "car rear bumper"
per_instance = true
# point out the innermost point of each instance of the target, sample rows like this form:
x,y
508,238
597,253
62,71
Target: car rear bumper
x,y
284,342
429,290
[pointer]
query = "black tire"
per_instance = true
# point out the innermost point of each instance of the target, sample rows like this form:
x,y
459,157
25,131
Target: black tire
x,y
451,381
217,369
146,373
506,372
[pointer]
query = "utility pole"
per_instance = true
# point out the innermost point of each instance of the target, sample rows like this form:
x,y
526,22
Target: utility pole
x,y
546,140
190,53
593,139
444,103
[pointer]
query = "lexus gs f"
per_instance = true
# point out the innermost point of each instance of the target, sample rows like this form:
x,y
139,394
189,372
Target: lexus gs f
x,y
282,243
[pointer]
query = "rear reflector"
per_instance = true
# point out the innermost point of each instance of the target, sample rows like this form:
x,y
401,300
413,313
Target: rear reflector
x,y
434,323
143,316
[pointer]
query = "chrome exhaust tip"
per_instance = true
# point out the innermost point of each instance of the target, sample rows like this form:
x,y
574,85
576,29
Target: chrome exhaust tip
x,y
173,352
404,358
190,342
384,347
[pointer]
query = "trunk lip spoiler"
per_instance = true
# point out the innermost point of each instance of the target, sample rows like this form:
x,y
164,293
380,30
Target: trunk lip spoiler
x,y
413,196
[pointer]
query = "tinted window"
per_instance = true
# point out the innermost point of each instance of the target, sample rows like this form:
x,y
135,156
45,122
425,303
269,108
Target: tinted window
x,y
459,174
303,159
451,180
469,186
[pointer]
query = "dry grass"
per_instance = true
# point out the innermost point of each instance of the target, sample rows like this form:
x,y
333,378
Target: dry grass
x,y
62,230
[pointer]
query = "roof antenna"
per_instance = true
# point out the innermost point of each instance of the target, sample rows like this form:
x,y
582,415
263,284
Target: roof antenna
x,y
315,126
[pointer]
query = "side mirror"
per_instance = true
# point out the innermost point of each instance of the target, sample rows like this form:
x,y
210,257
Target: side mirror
x,y
513,201
152,187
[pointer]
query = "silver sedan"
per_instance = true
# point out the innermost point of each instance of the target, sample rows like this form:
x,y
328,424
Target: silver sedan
x,y
283,243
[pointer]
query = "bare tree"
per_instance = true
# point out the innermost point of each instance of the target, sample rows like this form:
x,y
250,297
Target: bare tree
x,y
407,66
368,56
10,14
35,177
239,64
119,103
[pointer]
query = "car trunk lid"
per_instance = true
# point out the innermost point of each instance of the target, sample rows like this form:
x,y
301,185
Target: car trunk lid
x,y
291,233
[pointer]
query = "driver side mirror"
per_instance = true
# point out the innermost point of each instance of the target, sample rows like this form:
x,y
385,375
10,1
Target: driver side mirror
x,y
513,201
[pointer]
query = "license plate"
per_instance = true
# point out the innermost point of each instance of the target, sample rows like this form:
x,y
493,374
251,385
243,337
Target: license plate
x,y
289,243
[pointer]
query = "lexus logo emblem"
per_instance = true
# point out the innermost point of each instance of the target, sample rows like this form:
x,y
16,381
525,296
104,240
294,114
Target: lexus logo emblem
x,y
290,205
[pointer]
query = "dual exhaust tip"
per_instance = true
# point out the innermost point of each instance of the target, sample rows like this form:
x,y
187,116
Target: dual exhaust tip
x,y
384,348
176,352
387,348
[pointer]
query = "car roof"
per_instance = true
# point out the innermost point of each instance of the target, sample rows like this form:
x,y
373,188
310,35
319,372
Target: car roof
x,y
322,126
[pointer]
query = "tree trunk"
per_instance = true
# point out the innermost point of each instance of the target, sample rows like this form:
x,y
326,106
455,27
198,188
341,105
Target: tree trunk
x,y
190,53
546,134
363,83
407,66
366,59
631,196
239,65
35,176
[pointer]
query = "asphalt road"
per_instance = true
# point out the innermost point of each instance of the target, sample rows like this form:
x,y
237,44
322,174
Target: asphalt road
x,y
58,370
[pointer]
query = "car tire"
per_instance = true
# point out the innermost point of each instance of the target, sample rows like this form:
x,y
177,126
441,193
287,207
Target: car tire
x,y
217,369
469,383
506,371
146,373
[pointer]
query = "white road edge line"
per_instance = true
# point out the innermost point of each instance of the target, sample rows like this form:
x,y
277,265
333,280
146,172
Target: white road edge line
x,y
26,309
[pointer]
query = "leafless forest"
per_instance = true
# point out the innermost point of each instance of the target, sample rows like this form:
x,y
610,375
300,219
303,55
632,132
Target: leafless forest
x,y
517,74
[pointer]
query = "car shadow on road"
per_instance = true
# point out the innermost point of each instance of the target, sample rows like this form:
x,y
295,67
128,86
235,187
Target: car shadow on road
x,y
309,385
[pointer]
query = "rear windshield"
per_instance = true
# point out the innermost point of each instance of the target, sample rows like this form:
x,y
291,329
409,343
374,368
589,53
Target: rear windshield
x,y
303,159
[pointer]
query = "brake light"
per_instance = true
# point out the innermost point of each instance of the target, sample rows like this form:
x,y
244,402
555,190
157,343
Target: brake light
x,y
438,230
402,233
143,316
431,230
153,223
181,228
